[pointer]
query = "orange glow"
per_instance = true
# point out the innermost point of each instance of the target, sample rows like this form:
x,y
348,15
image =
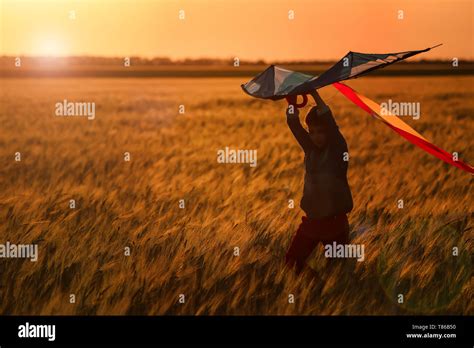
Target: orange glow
x,y
248,29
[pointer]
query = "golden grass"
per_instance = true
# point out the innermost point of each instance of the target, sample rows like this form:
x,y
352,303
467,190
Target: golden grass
x,y
190,251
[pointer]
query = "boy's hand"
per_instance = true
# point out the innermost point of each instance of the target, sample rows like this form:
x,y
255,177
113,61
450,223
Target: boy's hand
x,y
320,104
317,98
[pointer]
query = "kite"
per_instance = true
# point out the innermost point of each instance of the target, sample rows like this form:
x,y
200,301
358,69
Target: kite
x,y
276,83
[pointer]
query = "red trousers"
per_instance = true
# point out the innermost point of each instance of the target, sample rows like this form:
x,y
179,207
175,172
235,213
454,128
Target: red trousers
x,y
314,231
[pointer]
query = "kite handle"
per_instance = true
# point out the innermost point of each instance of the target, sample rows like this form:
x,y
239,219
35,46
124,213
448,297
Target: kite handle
x,y
292,100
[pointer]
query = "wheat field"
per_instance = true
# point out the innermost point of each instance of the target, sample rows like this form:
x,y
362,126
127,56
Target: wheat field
x,y
135,204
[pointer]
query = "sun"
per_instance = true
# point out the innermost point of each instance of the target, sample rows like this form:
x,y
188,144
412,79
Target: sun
x,y
50,46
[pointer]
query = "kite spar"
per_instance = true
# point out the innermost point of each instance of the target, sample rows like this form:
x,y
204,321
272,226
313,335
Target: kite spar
x,y
277,83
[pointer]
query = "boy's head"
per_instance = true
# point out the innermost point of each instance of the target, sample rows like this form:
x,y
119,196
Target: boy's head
x,y
318,126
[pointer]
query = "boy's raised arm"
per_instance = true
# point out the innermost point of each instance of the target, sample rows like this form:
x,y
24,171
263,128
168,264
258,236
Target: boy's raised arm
x,y
320,104
301,135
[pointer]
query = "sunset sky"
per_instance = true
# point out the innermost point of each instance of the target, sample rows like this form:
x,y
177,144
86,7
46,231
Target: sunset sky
x,y
248,29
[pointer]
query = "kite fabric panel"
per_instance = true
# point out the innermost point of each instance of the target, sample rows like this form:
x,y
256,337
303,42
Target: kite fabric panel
x,y
400,127
277,83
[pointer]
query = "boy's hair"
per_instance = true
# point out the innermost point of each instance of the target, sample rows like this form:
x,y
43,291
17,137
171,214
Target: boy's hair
x,y
313,118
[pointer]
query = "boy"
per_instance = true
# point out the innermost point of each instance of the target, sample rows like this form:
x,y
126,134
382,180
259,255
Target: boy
x,y
326,195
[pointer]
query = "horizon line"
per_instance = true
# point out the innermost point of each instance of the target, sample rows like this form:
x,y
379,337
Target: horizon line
x,y
210,60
